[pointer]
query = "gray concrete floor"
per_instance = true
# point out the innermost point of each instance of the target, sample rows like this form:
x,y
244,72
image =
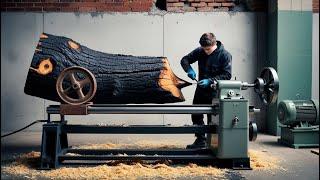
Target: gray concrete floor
x,y
298,163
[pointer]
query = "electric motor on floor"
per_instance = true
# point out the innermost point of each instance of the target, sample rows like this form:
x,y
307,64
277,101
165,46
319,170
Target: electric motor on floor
x,y
294,112
300,119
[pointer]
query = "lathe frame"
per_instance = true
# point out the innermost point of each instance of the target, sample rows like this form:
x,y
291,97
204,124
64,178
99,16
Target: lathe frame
x,y
227,142
55,142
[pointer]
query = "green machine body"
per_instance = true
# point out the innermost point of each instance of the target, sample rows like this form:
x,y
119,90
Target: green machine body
x,y
235,130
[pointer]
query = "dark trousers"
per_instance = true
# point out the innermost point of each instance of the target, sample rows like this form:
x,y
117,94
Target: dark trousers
x,y
201,96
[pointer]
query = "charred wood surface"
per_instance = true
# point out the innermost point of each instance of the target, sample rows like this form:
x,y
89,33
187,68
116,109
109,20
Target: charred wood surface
x,y
121,79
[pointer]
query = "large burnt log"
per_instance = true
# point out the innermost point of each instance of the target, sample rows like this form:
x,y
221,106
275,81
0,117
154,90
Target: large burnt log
x,y
121,79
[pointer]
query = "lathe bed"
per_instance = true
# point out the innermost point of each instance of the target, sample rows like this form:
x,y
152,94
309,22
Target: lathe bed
x,y
55,149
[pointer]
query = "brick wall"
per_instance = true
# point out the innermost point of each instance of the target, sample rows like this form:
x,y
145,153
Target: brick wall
x,y
315,6
77,5
133,5
200,5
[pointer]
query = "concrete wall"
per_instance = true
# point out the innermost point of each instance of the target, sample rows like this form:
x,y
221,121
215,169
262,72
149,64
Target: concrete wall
x,y
171,35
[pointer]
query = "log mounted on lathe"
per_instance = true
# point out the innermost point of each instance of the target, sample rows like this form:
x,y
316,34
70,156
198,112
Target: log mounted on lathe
x,y
120,79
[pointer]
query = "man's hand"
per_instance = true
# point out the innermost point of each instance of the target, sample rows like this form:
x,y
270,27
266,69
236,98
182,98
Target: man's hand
x,y
204,83
191,74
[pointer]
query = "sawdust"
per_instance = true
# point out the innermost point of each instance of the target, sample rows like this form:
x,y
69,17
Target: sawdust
x,y
260,160
138,145
25,166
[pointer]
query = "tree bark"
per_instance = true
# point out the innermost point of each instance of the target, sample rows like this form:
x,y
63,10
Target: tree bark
x,y
121,79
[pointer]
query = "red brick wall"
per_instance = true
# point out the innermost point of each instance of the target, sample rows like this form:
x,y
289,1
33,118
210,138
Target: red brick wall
x,y
315,6
77,5
199,5
131,5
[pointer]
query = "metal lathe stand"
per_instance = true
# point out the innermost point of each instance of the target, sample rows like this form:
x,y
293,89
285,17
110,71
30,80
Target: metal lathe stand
x,y
227,142
55,143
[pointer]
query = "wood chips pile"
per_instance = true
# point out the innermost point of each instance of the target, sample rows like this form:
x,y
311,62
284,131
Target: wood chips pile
x,y
25,166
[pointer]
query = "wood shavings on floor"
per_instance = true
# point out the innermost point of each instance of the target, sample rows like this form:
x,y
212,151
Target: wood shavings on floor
x,y
261,160
25,166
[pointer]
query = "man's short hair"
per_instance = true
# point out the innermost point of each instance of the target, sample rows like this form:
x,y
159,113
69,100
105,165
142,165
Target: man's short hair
x,y
207,39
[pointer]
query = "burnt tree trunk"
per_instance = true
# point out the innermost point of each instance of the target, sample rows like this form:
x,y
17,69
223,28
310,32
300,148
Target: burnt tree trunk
x,y
121,79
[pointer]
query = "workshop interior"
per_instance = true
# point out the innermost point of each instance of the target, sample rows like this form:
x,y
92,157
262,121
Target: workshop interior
x,y
160,89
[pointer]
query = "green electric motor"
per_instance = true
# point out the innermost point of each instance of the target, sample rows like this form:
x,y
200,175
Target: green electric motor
x,y
292,112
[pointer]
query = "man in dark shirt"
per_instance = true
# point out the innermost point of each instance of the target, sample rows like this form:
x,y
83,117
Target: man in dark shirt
x,y
214,63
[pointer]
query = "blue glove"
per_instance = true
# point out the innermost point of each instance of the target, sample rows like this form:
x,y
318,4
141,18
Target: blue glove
x,y
204,83
191,74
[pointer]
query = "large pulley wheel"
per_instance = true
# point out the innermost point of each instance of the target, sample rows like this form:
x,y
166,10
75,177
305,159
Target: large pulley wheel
x,y
76,85
267,85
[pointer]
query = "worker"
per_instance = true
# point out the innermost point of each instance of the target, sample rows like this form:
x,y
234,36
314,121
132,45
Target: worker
x,y
214,63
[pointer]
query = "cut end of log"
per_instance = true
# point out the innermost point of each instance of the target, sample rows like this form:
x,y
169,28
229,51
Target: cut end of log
x,y
43,36
170,82
73,45
45,67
